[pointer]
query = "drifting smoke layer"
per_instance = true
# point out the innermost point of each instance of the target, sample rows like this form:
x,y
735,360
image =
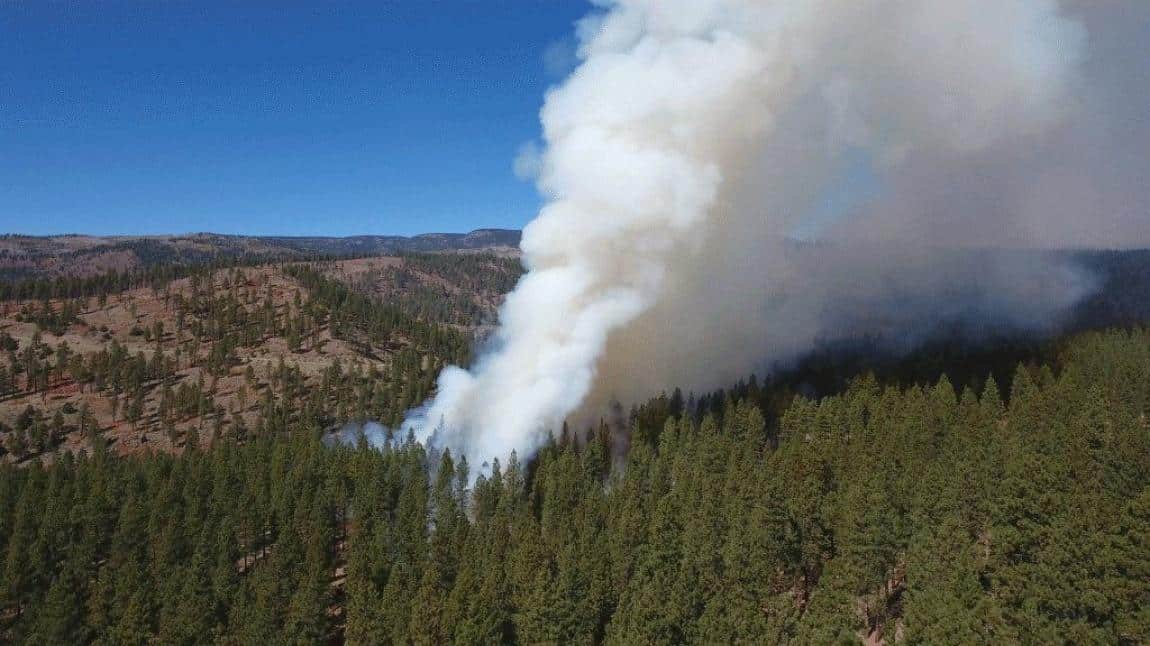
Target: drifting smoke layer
x,y
698,139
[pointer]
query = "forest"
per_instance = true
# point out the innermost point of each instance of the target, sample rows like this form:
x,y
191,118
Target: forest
x,y
1011,512
179,483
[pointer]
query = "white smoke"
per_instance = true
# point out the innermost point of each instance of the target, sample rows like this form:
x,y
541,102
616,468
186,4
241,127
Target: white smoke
x,y
697,138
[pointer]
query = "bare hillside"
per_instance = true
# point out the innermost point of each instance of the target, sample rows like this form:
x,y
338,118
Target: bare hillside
x,y
222,351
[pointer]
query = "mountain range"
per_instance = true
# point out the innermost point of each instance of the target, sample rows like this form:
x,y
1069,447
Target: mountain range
x,y
23,257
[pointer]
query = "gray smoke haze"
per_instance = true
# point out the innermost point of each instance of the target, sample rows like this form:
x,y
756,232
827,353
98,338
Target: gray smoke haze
x,y
730,181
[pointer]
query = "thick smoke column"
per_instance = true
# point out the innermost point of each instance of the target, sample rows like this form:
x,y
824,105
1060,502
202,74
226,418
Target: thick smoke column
x,y
698,139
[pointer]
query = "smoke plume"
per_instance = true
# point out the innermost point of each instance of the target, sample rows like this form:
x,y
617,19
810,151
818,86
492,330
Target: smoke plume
x,y
729,181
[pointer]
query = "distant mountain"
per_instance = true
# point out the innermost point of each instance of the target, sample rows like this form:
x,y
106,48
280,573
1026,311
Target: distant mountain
x,y
82,255
378,245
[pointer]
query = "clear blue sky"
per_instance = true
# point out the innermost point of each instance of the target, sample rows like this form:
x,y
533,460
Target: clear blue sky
x,y
276,117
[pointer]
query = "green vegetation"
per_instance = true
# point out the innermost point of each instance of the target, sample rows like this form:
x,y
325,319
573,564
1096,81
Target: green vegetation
x,y
49,318
1005,513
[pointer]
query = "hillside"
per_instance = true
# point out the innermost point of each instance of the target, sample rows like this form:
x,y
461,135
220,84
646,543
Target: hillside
x,y
222,351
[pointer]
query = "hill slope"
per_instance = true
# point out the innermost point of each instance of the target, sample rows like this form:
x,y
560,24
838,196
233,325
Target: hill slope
x,y
224,351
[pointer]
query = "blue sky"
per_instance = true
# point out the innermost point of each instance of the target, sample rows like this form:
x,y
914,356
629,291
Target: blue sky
x,y
277,117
